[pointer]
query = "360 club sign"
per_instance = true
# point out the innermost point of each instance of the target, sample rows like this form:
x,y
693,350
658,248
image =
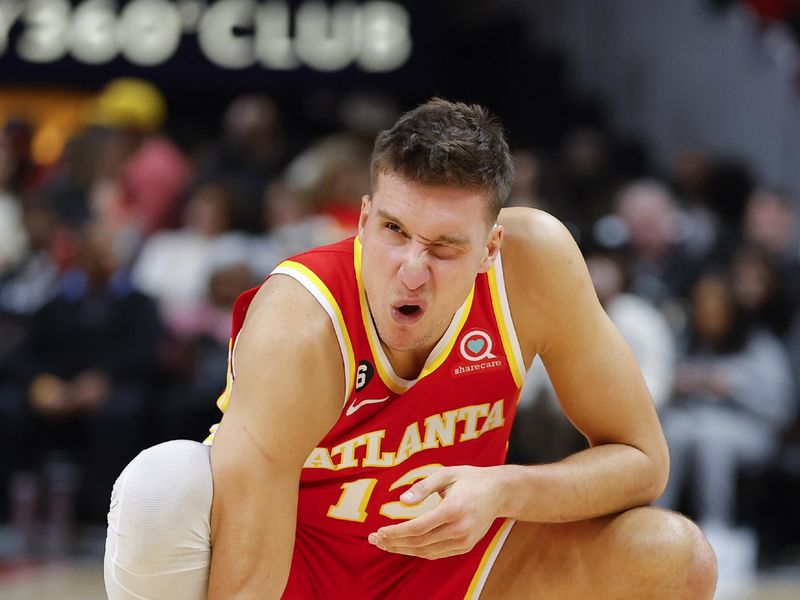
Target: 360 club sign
x,y
233,34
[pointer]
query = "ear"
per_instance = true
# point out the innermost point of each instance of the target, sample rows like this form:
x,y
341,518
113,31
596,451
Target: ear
x,y
492,248
366,204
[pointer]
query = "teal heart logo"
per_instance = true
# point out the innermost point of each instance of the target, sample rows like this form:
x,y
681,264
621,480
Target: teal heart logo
x,y
476,346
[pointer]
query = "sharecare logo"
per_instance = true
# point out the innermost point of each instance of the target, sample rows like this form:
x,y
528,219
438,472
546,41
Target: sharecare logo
x,y
476,346
486,365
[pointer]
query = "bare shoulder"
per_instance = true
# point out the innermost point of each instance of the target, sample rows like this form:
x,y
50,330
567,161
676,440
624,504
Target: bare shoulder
x,y
545,274
286,325
534,237
274,403
284,309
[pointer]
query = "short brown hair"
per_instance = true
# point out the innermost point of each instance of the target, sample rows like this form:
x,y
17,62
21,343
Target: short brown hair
x,y
448,143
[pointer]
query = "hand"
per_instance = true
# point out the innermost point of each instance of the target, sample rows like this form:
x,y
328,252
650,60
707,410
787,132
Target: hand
x,y
471,501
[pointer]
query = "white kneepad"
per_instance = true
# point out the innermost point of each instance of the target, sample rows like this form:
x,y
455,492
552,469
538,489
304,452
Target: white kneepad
x,y
158,541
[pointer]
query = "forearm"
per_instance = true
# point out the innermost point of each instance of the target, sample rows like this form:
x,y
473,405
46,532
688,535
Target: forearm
x,y
253,516
602,480
251,550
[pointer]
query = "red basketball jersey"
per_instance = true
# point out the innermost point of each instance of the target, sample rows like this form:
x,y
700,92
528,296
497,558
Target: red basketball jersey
x,y
393,432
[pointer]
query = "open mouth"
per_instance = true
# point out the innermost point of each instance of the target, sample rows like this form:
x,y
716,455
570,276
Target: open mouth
x,y
407,313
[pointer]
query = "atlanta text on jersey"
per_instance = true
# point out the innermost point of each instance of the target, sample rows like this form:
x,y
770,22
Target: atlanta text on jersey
x,y
437,430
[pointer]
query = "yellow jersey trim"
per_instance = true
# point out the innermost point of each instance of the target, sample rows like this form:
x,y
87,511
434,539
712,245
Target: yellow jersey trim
x,y
309,280
225,396
502,313
488,560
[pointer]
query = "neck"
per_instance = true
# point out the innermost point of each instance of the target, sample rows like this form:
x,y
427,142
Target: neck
x,y
408,364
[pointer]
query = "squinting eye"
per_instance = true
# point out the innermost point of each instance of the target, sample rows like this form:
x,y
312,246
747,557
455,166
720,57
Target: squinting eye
x,y
444,252
394,227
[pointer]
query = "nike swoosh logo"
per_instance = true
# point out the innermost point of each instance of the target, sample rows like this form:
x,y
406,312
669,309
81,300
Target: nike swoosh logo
x,y
354,407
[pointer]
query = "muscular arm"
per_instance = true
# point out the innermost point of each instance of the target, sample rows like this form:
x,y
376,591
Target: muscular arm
x,y
598,383
286,396
556,315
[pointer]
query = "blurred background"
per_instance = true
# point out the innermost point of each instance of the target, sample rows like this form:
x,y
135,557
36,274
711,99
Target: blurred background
x,y
158,157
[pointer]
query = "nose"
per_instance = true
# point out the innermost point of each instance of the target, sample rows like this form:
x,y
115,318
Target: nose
x,y
414,272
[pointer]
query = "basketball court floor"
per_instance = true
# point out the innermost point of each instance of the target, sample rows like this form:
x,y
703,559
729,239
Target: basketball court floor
x,y
79,576
83,580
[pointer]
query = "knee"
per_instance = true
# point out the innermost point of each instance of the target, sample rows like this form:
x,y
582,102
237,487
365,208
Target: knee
x,y
167,474
160,505
672,553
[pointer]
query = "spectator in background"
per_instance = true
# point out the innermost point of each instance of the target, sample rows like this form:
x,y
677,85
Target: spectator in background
x,y
68,188
771,223
661,267
249,155
761,291
365,113
23,291
334,174
587,181
727,187
27,278
526,187
120,168
26,176
733,396
83,376
140,174
201,336
174,266
291,227
699,226
13,241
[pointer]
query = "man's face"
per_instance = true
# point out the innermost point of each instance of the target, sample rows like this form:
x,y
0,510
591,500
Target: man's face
x,y
422,248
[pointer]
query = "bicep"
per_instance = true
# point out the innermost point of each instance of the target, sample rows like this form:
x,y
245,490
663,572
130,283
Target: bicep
x,y
597,379
277,413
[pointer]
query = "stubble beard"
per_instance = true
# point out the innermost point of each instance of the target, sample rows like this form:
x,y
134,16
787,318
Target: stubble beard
x,y
427,337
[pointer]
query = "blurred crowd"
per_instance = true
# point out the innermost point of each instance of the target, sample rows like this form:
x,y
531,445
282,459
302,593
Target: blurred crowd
x,y
120,263
699,268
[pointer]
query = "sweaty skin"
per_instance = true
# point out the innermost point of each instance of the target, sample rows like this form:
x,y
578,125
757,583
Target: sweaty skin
x,y
423,246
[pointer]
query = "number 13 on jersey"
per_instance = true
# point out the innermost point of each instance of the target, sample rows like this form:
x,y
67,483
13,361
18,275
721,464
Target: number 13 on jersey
x,y
354,501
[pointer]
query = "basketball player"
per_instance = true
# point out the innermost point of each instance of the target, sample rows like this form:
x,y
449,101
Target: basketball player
x,y
372,387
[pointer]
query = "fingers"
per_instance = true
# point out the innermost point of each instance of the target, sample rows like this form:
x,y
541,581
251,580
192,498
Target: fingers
x,y
438,480
435,482
414,527
443,541
453,527
434,536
